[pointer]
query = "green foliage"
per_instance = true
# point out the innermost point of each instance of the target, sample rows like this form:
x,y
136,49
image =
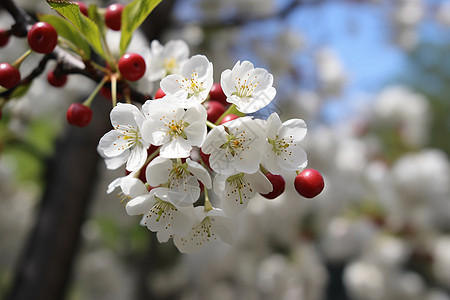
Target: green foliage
x,y
85,26
68,32
133,15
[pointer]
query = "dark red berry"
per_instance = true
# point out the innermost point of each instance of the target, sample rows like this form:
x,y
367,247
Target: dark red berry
x,y
309,183
215,110
205,158
56,80
113,16
42,37
216,94
4,37
278,185
83,7
9,76
132,66
228,118
159,94
79,114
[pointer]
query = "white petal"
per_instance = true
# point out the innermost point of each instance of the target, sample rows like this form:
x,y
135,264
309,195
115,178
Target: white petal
x,y
294,128
273,124
224,226
172,85
139,205
158,171
133,187
259,182
124,114
115,162
176,148
199,172
293,158
137,158
112,144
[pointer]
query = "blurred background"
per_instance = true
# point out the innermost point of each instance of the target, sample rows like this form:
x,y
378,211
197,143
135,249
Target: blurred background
x,y
372,81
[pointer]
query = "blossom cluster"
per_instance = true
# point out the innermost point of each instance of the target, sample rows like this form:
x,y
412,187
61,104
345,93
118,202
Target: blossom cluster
x,y
177,154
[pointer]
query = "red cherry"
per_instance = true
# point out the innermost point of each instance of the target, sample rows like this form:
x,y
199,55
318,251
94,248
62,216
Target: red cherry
x,y
56,80
228,118
4,37
309,183
216,94
132,66
215,110
278,185
159,94
42,38
83,7
113,16
9,76
79,114
205,158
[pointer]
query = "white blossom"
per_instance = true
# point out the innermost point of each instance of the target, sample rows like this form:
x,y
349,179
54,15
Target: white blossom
x,y
163,212
177,130
165,60
249,88
235,146
180,177
237,190
190,87
124,143
282,150
208,227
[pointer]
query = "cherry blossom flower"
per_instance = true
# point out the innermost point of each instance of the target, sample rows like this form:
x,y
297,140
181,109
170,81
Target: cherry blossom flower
x,y
208,227
237,190
180,177
130,185
173,127
124,143
192,85
165,60
235,146
249,88
282,150
163,213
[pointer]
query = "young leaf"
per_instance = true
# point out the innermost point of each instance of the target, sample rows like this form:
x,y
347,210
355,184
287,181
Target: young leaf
x,y
66,30
133,15
85,25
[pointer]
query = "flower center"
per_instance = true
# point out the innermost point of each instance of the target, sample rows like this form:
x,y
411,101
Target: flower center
x,y
245,88
161,209
238,183
205,227
170,64
176,128
193,86
279,146
129,134
234,143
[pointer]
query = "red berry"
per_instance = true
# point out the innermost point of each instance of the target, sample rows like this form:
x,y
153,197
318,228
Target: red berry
x,y
205,158
4,37
215,110
309,183
216,94
228,118
159,94
56,80
83,7
42,37
9,76
278,185
132,66
113,16
79,114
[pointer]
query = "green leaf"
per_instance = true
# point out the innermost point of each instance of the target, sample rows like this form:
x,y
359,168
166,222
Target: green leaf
x,y
85,25
66,30
133,15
